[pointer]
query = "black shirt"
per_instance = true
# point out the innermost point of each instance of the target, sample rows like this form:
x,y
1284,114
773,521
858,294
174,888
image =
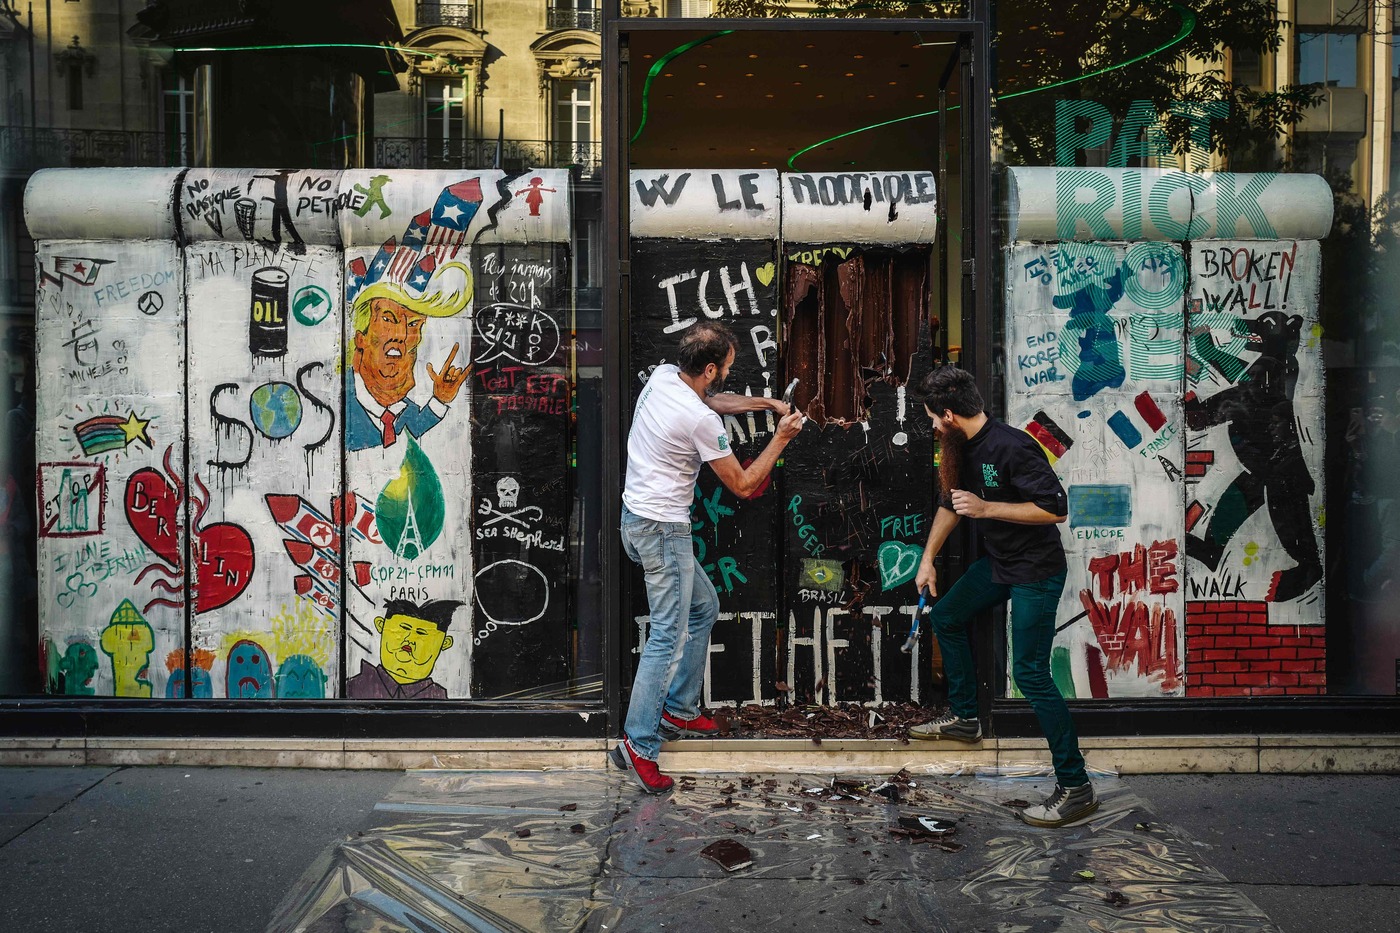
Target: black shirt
x,y
1002,464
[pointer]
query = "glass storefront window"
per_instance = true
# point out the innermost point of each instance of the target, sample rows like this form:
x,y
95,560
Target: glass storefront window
x,y
1230,530
235,497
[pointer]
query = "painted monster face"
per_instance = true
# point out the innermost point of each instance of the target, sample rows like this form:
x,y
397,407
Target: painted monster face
x,y
300,678
387,350
249,672
79,666
409,647
200,682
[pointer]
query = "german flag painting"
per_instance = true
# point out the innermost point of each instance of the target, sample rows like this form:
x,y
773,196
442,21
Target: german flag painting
x,y
1049,435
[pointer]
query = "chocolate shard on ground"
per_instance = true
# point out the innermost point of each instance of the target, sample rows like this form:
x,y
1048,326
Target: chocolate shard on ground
x,y
728,854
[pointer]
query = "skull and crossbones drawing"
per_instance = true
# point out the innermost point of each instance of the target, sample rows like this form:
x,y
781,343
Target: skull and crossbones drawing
x,y
508,494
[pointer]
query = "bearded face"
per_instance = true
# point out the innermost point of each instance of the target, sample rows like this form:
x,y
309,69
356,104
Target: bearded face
x,y
950,441
716,387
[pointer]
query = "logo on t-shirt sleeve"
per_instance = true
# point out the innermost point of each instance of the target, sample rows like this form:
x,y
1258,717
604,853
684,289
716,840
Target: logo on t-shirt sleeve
x,y
724,442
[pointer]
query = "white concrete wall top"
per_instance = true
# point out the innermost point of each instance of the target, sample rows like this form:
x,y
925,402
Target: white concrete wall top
x,y
101,204
859,207
704,204
533,207
1050,203
285,206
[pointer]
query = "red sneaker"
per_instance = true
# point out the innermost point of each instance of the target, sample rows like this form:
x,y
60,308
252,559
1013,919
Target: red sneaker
x,y
676,727
645,774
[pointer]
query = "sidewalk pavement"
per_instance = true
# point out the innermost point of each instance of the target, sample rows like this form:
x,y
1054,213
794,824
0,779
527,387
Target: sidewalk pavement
x,y
111,850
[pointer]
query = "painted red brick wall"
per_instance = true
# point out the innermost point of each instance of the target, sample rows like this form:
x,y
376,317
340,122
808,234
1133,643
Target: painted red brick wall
x,y
1231,650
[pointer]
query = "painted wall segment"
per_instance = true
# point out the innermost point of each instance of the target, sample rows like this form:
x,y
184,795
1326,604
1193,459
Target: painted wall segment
x,y
262,276
1177,391
677,282
110,444
521,430
298,344
1095,362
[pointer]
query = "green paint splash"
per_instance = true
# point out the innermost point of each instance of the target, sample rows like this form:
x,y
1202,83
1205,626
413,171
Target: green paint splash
x,y
410,510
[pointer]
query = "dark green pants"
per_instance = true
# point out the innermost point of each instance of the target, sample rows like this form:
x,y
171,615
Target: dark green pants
x,y
1033,608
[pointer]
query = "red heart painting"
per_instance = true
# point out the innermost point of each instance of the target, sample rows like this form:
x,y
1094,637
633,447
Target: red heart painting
x,y
152,510
225,565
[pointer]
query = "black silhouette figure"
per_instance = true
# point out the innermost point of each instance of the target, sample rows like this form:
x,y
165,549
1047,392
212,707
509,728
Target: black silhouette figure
x,y
281,210
1264,435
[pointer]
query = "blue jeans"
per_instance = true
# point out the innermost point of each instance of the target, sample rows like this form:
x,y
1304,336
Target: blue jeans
x,y
683,605
1033,608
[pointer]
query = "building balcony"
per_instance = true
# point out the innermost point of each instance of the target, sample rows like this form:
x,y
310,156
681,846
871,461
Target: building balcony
x,y
516,155
565,18
23,149
447,14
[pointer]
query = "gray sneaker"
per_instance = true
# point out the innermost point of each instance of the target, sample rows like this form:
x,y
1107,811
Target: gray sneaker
x,y
1062,807
949,726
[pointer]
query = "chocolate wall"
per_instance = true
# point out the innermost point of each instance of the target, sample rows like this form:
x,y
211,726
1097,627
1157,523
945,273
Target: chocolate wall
x,y
520,434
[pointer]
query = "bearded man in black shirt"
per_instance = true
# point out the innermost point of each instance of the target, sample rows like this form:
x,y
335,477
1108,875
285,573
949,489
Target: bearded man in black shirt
x,y
999,477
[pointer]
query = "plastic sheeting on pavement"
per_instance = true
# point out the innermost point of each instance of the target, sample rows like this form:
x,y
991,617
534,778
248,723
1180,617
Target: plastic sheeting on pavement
x,y
577,850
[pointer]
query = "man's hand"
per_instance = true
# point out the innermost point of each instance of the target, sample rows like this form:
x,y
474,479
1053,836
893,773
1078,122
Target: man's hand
x,y
968,504
449,382
926,577
791,425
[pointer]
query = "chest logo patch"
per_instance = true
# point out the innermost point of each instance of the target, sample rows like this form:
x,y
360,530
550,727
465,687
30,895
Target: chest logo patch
x,y
989,476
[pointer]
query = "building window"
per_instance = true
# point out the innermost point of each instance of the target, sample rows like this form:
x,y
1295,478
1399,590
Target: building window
x,y
445,103
462,15
75,89
688,9
1247,68
573,116
177,114
73,62
574,14
1394,64
1327,58
1325,154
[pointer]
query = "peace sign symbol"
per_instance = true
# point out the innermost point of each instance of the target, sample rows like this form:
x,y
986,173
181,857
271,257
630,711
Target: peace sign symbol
x,y
150,302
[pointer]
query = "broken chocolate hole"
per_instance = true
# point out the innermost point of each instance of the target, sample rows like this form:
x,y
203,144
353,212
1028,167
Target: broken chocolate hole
x,y
569,807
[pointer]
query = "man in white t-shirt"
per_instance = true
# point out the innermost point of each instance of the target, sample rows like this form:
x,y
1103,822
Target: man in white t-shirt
x,y
677,426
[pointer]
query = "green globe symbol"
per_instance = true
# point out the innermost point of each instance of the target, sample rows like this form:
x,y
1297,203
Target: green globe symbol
x,y
276,409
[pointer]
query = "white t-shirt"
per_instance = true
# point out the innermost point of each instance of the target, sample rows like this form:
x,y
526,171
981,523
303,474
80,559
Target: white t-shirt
x,y
673,433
